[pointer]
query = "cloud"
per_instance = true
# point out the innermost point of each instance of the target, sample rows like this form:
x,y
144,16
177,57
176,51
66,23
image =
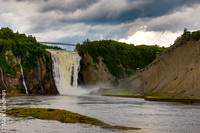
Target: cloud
x,y
66,6
152,38
113,11
91,11
165,29
74,21
79,32
185,17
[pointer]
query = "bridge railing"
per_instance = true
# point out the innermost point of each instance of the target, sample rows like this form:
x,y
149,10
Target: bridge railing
x,y
58,43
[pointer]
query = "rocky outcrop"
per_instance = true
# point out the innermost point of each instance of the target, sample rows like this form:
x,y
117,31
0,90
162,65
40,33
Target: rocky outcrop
x,y
25,65
175,73
38,81
94,73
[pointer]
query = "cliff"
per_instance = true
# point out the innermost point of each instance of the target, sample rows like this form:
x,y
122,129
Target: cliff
x,y
94,73
173,74
108,61
40,80
21,55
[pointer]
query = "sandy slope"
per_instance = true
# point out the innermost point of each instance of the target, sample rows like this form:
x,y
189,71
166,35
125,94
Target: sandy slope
x,y
174,73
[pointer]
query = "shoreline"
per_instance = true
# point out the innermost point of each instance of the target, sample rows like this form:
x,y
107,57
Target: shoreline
x,y
126,96
146,98
21,94
159,99
182,100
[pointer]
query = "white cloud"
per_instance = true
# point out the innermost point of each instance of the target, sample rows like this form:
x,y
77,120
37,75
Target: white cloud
x,y
18,14
152,38
26,17
185,17
165,29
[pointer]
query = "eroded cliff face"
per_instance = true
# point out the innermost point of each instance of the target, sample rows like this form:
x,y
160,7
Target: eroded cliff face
x,y
38,81
9,81
94,73
25,64
174,73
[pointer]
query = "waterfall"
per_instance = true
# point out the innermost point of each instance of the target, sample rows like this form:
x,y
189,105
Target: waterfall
x,y
66,65
2,77
24,83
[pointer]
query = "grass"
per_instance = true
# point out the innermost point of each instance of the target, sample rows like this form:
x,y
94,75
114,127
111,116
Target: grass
x,y
121,92
62,116
162,96
53,114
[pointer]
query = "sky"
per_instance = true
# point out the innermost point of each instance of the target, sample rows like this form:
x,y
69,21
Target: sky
x,y
150,22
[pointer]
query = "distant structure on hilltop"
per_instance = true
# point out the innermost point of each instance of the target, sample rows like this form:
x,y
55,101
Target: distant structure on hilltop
x,y
186,31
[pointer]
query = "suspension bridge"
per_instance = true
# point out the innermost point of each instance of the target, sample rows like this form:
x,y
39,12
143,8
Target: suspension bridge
x,y
58,43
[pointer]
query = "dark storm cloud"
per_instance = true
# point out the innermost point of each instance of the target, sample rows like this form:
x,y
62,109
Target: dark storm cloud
x,y
77,20
30,0
154,8
133,9
67,6
185,17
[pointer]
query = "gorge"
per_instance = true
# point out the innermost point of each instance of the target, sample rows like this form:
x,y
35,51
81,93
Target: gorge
x,y
28,67
32,70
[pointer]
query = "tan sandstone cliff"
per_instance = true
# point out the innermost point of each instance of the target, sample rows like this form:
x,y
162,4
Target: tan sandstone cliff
x,y
175,73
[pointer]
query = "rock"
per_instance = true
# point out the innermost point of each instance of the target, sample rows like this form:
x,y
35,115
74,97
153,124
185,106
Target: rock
x,y
175,73
39,80
95,73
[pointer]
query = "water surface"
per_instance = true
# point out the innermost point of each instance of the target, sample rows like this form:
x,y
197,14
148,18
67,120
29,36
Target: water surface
x,y
152,117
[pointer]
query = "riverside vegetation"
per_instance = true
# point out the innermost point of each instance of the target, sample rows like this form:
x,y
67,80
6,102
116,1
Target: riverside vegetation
x,y
62,116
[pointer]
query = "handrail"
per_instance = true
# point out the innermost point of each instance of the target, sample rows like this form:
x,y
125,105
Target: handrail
x,y
58,43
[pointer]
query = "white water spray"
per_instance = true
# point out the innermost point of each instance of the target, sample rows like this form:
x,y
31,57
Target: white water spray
x,y
65,69
24,83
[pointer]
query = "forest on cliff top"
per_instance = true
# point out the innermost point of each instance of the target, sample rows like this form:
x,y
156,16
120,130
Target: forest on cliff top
x,y
120,57
123,58
14,45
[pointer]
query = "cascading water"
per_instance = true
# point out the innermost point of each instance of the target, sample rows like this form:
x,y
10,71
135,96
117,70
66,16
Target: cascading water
x,y
65,69
24,83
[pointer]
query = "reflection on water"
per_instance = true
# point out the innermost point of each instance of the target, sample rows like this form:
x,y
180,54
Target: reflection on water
x,y
150,116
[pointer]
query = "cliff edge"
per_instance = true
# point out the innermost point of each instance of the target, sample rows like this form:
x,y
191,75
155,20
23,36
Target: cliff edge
x,y
25,65
174,73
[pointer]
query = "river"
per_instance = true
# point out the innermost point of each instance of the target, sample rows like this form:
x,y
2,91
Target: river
x,y
152,117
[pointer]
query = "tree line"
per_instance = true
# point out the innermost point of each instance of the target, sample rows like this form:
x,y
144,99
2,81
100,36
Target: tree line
x,y
120,58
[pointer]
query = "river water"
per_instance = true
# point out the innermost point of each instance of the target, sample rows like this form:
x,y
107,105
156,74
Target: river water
x,y
152,117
